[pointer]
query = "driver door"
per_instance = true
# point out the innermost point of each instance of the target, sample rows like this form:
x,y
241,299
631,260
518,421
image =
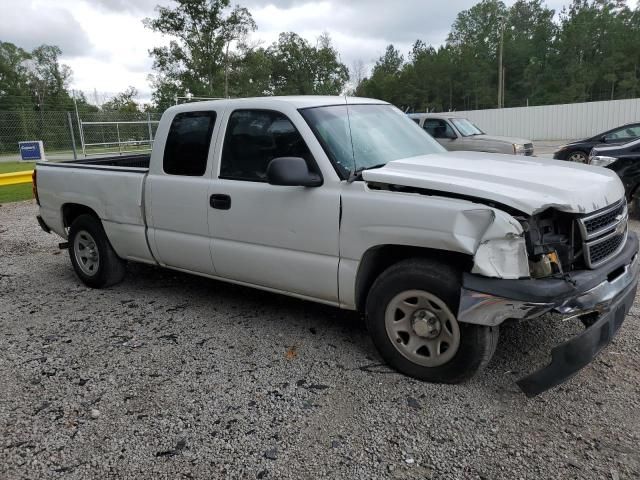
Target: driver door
x,y
278,237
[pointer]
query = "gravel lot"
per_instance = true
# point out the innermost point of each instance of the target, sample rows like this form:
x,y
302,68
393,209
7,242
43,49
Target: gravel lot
x,y
169,376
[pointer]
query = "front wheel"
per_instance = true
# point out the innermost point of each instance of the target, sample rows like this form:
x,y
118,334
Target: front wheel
x,y
92,256
578,157
410,316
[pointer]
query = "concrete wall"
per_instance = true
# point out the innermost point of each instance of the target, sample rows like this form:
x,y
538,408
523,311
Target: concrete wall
x,y
553,122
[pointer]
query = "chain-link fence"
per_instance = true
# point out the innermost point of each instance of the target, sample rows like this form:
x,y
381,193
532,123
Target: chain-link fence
x,y
90,134
114,132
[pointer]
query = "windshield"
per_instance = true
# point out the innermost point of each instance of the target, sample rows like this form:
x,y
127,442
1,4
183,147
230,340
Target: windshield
x,y
465,127
357,137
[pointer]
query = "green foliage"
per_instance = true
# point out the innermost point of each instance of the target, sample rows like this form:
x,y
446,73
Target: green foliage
x,y
298,68
15,193
10,167
589,51
209,57
589,54
197,59
123,102
33,80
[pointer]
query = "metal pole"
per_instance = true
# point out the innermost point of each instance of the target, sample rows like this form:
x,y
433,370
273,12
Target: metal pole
x,y
500,63
80,129
119,144
503,84
150,130
73,137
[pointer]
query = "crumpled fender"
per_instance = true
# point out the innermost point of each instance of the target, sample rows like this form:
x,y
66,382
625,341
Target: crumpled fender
x,y
501,249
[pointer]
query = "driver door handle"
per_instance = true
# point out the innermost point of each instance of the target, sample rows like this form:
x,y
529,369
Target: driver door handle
x,y
220,201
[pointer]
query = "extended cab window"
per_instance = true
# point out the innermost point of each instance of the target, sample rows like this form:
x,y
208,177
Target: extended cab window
x,y
187,147
253,139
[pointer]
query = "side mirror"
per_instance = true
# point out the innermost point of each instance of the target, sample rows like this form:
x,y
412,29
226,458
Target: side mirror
x,y
292,172
603,139
450,134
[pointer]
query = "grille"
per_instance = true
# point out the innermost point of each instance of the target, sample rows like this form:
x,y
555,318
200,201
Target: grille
x,y
528,149
602,250
595,224
604,233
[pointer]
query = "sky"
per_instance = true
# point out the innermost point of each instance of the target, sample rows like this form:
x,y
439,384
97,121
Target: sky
x,y
106,45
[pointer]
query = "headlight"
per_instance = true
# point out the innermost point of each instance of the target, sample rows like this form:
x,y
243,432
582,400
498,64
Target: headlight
x,y
518,149
502,258
601,161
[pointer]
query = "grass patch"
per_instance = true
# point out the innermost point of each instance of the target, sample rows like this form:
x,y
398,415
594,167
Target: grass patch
x,y
10,167
15,193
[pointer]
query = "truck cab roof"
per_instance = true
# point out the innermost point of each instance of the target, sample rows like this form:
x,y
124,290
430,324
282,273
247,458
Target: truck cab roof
x,y
297,101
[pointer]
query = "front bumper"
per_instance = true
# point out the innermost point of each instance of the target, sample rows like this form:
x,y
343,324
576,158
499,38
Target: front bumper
x,y
605,293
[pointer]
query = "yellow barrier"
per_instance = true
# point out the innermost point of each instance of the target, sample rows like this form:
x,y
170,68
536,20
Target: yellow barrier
x,y
15,178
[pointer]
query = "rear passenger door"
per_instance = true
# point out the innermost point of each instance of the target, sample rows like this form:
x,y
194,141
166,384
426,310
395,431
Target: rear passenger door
x,y
278,237
177,189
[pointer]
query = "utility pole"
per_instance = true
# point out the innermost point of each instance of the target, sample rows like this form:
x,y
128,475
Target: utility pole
x,y
501,19
504,74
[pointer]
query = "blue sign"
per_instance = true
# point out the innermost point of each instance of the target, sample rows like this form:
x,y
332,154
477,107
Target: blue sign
x,y
30,151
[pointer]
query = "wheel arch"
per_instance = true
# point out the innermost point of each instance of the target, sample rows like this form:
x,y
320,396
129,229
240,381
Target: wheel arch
x,y
71,211
380,257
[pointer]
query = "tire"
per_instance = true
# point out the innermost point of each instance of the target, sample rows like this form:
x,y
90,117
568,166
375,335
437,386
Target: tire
x,y
455,360
577,156
92,256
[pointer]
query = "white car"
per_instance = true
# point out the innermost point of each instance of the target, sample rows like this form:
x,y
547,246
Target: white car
x,y
347,202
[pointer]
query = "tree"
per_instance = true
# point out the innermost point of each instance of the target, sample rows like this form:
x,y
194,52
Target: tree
x,y
357,74
197,58
236,27
48,79
385,78
14,79
297,68
123,102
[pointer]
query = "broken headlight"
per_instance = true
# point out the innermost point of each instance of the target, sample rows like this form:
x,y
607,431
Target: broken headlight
x,y
502,258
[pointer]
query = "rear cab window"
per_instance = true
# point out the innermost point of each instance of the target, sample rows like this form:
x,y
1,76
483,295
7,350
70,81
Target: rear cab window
x,y
188,142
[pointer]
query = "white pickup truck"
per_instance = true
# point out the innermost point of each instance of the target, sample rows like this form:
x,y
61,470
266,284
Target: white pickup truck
x,y
347,202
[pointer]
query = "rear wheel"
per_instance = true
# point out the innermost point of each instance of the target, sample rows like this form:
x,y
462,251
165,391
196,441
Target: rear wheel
x,y
92,256
410,316
578,157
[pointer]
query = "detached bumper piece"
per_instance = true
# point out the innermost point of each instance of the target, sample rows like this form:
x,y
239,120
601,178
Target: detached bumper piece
x,y
570,357
600,297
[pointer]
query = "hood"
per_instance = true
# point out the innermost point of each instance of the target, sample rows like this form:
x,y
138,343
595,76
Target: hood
x,y
576,142
496,138
528,184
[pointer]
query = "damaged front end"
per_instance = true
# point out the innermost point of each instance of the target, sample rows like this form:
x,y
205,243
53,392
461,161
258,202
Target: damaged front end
x,y
578,265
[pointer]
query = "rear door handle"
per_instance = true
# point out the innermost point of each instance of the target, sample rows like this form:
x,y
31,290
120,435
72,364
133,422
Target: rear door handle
x,y
220,201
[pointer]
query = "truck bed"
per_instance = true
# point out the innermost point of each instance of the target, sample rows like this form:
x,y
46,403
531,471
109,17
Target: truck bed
x,y
112,187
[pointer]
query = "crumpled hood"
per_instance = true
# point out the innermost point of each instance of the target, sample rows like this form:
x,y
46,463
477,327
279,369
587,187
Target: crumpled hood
x,y
528,184
495,138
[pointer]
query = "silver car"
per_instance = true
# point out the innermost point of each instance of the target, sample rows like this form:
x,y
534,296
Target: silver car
x,y
459,133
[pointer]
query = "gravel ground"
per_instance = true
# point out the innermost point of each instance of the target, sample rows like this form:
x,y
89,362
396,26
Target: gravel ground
x,y
169,376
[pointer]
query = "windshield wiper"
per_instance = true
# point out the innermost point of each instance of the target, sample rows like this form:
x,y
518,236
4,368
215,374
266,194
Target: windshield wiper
x,y
357,174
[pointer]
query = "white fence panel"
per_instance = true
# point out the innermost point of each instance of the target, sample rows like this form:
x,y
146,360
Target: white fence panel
x,y
556,122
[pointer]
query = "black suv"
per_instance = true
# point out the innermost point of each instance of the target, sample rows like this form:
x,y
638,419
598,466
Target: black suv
x,y
625,161
578,151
